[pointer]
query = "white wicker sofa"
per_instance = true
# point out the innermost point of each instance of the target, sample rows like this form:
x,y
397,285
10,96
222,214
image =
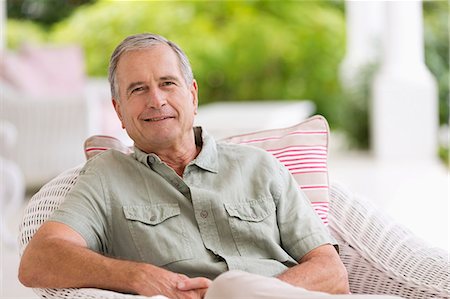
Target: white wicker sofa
x,y
381,256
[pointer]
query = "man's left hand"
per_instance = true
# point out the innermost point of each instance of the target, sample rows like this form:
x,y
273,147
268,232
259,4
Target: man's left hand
x,y
199,284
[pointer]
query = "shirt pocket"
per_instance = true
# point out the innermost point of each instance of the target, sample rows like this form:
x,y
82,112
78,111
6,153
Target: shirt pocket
x,y
158,233
254,228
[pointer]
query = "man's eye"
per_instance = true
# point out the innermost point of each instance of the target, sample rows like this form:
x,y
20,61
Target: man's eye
x,y
137,89
167,83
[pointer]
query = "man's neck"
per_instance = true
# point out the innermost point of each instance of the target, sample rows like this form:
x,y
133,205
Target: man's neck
x,y
180,154
178,160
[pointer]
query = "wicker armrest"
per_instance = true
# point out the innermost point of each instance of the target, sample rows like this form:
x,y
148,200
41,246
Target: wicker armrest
x,y
382,256
87,293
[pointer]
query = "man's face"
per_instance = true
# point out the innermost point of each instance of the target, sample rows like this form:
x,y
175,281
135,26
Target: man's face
x,y
156,106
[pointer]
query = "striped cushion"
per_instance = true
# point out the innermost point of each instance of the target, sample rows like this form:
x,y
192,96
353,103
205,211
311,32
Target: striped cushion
x,y
100,143
303,149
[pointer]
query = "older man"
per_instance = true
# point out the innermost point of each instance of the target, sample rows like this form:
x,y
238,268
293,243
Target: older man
x,y
182,209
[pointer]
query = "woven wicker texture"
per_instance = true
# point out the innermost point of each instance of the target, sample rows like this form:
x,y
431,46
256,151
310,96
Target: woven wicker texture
x,y
380,255
383,257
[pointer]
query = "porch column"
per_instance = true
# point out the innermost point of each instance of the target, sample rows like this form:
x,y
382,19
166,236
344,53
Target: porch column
x,y
364,20
404,101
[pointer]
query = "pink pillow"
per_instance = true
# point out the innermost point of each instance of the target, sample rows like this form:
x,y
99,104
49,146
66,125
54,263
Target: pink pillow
x,y
100,143
43,72
302,148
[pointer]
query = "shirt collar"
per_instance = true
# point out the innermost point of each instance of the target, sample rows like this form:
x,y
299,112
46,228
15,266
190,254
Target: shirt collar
x,y
207,159
144,158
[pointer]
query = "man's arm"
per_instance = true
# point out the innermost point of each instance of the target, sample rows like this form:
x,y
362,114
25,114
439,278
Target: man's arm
x,y
58,257
319,270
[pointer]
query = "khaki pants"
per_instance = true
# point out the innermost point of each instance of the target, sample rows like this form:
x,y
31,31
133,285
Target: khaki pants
x,y
238,284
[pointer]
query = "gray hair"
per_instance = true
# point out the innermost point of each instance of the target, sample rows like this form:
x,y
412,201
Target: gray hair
x,y
144,41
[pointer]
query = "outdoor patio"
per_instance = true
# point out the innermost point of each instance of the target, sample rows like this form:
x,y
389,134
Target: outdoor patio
x,y
401,174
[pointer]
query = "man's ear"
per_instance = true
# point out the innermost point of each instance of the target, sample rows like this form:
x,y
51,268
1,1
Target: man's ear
x,y
117,107
194,92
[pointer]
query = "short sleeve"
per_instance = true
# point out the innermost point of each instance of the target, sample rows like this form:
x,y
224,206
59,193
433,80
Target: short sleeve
x,y
85,210
301,229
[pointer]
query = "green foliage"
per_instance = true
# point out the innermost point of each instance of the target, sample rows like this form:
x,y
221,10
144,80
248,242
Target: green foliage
x,y
19,32
444,155
353,113
239,50
43,12
437,51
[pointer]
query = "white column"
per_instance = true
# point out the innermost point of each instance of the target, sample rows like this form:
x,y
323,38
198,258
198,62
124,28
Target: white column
x,y
404,101
364,20
2,25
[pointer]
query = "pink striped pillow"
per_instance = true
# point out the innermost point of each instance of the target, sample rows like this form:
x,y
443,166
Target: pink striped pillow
x,y
303,149
100,143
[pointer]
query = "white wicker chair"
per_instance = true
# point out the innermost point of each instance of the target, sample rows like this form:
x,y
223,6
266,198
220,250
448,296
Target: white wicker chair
x,y
381,256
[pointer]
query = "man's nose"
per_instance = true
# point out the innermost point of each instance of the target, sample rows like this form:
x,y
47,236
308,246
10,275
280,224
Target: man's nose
x,y
156,99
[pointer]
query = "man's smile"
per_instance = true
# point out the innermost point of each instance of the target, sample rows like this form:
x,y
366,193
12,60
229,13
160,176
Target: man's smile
x,y
158,118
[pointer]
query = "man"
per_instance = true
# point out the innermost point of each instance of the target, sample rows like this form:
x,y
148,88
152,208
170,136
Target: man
x,y
182,209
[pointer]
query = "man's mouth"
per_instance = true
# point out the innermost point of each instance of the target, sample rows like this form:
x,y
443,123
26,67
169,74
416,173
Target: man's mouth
x,y
159,118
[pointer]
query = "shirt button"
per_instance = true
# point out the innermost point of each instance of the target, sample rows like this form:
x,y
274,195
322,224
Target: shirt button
x,y
204,214
153,218
151,159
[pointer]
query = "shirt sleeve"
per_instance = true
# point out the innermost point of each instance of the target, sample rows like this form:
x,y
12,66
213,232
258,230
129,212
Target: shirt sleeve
x,y
85,210
301,229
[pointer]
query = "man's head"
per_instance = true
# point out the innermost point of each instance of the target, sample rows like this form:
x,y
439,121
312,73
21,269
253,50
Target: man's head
x,y
144,41
154,93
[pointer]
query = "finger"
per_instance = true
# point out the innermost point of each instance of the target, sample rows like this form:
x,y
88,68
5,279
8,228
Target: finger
x,y
182,277
194,283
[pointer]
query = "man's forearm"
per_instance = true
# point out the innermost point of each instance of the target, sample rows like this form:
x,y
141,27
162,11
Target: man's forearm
x,y
322,271
58,263
57,257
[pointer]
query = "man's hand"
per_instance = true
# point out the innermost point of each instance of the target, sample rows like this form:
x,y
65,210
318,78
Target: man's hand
x,y
188,284
152,281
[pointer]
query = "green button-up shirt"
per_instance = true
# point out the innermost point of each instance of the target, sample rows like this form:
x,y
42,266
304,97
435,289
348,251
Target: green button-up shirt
x,y
235,207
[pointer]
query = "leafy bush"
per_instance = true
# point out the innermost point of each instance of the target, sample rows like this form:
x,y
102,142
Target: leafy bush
x,y
437,51
247,50
19,32
239,50
437,58
43,12
353,113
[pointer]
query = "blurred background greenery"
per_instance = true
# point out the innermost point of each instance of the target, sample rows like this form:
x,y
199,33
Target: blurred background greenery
x,y
239,50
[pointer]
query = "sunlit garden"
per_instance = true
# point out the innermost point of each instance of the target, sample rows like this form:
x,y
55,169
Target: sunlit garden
x,y
240,50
